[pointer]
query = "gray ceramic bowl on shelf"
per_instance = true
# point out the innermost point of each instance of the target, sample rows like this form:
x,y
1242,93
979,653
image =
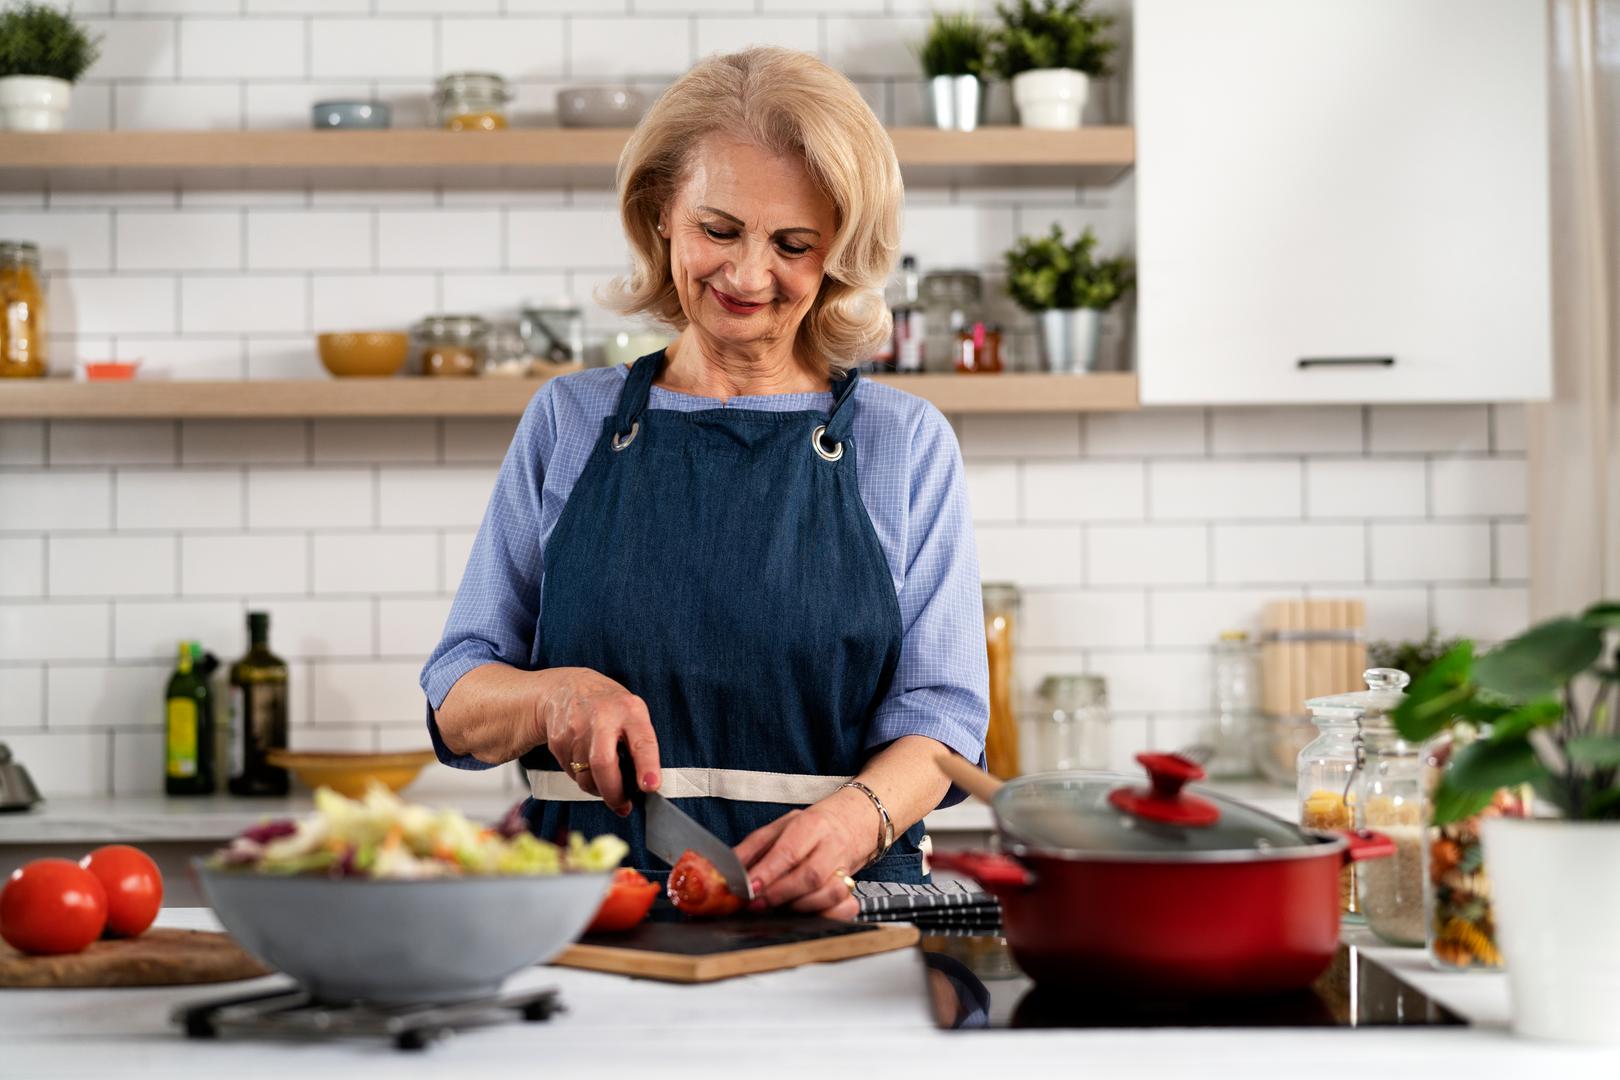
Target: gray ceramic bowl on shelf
x,y
600,106
350,116
401,942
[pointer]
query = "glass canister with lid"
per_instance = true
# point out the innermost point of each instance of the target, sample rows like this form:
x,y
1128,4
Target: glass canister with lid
x,y
1001,604
1070,729
953,301
472,101
22,312
1391,799
452,345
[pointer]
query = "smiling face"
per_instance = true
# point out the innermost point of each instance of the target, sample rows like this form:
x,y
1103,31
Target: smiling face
x,y
748,232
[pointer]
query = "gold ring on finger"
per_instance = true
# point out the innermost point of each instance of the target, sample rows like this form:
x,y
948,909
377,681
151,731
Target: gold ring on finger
x,y
843,875
577,767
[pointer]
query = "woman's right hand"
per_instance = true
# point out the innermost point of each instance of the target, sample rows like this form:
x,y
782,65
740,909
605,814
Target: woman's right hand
x,y
584,715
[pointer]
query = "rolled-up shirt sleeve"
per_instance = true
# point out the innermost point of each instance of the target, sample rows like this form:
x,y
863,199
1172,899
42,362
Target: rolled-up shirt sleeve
x,y
941,685
494,616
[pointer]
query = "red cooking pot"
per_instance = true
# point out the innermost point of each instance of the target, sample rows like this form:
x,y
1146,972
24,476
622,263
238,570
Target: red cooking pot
x,y
1155,889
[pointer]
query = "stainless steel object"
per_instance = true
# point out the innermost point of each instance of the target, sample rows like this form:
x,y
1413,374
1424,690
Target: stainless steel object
x,y
17,790
957,100
1069,339
671,833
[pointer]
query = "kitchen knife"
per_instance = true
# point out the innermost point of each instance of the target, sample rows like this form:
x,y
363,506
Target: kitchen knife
x,y
671,832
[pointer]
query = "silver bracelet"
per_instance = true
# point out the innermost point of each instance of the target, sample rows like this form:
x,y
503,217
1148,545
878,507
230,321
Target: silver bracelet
x,y
885,833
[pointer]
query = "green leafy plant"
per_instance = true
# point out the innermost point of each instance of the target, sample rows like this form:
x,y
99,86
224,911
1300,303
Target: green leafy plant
x,y
1050,34
1047,272
955,45
1546,704
1413,657
37,39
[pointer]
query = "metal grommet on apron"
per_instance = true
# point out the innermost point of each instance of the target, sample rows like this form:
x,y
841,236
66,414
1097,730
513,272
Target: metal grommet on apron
x,y
736,585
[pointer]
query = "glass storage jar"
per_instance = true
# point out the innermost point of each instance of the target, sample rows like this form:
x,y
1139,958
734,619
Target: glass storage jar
x,y
1459,922
1001,604
506,353
555,331
1070,729
1234,723
22,312
472,101
1390,800
953,300
452,345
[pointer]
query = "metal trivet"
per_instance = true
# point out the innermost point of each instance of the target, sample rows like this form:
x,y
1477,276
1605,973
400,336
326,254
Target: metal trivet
x,y
294,1014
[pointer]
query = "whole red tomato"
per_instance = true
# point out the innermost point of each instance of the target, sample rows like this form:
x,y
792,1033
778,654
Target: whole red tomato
x,y
626,903
52,906
134,887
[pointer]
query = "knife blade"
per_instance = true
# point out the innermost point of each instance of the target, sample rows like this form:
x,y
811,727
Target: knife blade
x,y
672,832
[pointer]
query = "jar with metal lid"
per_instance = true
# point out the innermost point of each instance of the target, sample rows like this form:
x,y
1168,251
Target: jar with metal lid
x,y
1070,729
554,329
452,345
1001,604
953,301
22,312
472,101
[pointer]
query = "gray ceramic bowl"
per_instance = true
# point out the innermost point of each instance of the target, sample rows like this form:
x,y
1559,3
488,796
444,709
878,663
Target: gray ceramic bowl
x,y
600,106
350,115
397,942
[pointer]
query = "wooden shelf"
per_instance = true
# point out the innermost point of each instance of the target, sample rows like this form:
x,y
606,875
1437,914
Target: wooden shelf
x,y
491,397
1096,155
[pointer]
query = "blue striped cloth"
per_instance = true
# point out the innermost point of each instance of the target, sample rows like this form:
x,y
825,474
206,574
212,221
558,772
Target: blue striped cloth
x,y
909,471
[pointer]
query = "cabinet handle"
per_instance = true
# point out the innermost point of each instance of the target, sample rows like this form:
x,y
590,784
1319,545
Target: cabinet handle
x,y
1346,361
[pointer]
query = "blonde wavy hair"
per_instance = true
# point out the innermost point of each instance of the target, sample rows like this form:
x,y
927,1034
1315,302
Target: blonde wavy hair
x,y
785,102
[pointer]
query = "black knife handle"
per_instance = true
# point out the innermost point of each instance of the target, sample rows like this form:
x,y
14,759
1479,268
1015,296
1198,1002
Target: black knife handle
x,y
627,774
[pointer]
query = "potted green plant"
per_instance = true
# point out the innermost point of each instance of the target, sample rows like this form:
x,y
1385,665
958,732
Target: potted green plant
x,y
1068,289
1049,50
952,56
43,51
1548,706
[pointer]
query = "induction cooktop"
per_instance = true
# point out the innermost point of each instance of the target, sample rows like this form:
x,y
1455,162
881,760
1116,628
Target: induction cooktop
x,y
974,984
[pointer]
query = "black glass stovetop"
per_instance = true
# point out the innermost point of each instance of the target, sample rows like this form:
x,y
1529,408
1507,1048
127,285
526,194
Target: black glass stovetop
x,y
974,983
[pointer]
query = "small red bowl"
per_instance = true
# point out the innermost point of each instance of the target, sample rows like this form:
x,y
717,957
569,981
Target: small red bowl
x,y
110,370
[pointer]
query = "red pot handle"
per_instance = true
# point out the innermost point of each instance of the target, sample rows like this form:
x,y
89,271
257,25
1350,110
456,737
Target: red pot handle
x,y
1163,800
998,873
1367,844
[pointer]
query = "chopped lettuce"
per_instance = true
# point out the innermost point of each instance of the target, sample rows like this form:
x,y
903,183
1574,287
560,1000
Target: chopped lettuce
x,y
380,836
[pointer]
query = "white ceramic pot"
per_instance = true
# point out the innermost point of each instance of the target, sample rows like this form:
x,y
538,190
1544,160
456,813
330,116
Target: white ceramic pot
x,y
33,102
1050,97
1554,887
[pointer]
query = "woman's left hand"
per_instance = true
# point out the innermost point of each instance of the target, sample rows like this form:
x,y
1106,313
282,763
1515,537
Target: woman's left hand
x,y
800,859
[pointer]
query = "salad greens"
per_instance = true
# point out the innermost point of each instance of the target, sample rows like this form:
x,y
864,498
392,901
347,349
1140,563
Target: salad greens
x,y
380,836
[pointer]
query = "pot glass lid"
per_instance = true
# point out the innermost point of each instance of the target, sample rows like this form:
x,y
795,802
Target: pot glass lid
x,y
1101,813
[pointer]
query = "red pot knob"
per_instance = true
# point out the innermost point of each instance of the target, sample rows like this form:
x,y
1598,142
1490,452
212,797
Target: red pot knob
x,y
1163,801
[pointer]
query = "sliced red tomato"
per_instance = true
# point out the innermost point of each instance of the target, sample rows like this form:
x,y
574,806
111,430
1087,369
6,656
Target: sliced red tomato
x,y
52,906
134,887
626,904
697,888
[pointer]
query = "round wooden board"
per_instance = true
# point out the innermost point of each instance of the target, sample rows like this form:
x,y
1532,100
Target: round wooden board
x,y
156,958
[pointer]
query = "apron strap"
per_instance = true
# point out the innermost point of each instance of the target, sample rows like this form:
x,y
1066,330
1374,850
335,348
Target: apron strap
x,y
637,389
842,419
737,785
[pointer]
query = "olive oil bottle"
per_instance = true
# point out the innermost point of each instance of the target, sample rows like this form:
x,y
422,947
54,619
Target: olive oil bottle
x,y
258,714
188,739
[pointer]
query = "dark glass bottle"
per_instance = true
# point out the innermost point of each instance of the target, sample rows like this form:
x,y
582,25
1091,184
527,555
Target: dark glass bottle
x,y
258,714
188,738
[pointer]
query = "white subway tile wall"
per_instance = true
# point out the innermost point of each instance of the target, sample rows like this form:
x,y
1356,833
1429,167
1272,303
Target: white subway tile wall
x,y
1136,537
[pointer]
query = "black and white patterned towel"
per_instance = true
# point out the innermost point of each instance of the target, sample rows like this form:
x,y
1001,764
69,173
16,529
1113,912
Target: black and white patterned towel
x,y
891,900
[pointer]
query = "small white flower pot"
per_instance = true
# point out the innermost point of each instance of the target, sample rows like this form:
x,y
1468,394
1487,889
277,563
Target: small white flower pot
x,y
1051,98
33,102
1555,886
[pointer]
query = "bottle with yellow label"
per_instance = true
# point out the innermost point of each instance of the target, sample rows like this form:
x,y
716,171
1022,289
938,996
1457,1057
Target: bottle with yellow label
x,y
188,738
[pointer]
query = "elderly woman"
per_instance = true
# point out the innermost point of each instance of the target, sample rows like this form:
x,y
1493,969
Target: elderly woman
x,y
751,567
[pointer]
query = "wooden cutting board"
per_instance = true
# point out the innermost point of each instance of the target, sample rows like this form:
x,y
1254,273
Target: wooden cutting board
x,y
156,958
707,950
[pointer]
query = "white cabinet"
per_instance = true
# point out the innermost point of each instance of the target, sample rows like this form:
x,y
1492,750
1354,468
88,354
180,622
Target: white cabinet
x,y
1342,200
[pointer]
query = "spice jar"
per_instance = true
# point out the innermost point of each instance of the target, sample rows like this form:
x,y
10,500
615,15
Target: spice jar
x,y
1070,729
978,348
472,101
1001,603
451,344
1326,770
1459,922
22,312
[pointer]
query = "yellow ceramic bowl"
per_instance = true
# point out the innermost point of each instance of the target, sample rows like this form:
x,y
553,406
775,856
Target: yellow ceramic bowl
x,y
351,773
366,354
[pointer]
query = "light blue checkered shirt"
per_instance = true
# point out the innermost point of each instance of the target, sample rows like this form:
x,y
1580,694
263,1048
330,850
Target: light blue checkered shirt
x,y
910,475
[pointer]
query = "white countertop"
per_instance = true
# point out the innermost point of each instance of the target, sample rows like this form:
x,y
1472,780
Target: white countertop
x,y
858,1018
154,818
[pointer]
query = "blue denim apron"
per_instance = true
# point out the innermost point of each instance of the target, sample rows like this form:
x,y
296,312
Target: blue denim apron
x,y
721,565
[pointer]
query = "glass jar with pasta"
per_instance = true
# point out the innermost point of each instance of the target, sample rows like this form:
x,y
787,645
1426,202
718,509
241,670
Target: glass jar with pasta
x,y
22,312
1001,604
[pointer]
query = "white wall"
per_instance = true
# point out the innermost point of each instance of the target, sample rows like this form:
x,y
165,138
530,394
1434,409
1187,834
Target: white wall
x,y
1136,537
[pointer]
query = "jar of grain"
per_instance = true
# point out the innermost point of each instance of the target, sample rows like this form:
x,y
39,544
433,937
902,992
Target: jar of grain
x,y
1390,799
1001,604
22,312
452,345
472,101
